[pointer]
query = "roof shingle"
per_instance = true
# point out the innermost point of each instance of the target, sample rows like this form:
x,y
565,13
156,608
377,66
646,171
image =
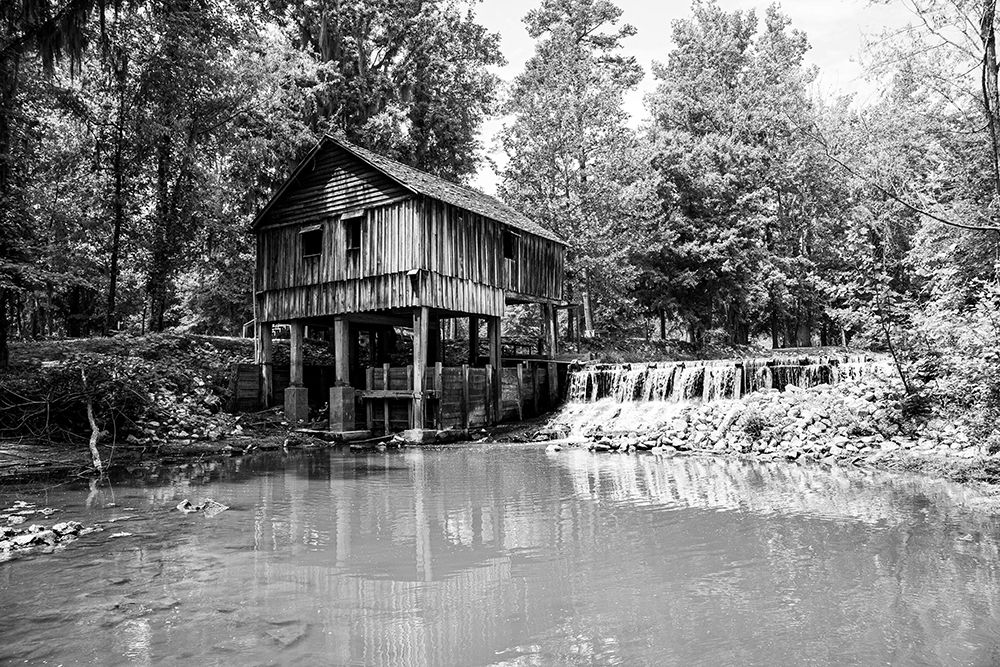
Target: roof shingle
x,y
452,193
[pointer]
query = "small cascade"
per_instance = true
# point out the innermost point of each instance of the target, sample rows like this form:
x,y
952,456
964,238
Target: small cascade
x,y
710,380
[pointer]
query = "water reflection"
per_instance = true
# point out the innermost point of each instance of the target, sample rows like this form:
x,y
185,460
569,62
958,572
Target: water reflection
x,y
509,555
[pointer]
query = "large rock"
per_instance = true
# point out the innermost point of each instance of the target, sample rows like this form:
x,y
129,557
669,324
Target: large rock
x,y
419,436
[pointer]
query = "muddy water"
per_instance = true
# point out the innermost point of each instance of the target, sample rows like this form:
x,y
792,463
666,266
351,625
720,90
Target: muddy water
x,y
507,555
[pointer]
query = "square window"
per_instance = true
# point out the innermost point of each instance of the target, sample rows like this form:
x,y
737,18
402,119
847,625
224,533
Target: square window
x,y
510,240
311,241
352,231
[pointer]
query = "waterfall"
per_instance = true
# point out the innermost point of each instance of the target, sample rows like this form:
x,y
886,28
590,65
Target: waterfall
x,y
710,380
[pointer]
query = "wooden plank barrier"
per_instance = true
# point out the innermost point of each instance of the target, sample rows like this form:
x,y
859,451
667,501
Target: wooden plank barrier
x,y
458,396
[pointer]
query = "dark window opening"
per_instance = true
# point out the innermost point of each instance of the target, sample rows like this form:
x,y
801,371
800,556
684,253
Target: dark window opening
x,y
312,241
352,231
510,245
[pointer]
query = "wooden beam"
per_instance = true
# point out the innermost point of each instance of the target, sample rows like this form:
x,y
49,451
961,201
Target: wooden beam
x,y
488,403
396,393
342,351
439,388
466,408
553,331
493,334
385,404
520,391
370,407
421,322
296,352
473,340
401,320
536,388
544,322
265,357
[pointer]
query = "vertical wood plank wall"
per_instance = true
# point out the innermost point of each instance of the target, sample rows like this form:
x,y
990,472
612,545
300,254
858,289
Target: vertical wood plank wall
x,y
458,253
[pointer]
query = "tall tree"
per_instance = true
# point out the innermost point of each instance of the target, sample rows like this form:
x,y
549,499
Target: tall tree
x,y
736,246
408,77
572,159
47,30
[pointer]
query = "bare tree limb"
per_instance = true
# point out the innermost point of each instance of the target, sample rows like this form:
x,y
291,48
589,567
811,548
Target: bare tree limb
x,y
95,431
819,139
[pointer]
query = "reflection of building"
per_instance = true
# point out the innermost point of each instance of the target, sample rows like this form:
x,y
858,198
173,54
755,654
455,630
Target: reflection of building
x,y
401,567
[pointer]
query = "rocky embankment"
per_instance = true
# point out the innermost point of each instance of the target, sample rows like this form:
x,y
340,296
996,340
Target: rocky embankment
x,y
853,423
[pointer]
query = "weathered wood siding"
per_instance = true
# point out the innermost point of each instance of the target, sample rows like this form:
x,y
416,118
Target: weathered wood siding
x,y
335,182
388,235
450,407
458,254
466,245
245,389
380,293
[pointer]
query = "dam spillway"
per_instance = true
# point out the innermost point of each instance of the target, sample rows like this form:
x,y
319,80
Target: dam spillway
x,y
707,380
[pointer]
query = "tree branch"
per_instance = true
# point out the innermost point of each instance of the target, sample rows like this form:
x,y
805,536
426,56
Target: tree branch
x,y
819,139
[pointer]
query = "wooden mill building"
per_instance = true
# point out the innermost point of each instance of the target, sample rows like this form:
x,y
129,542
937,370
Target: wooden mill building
x,y
367,248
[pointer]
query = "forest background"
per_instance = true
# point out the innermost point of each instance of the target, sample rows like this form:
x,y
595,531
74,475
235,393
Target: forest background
x,y
139,138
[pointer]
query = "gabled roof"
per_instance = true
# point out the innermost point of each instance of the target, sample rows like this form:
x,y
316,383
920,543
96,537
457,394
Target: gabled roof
x,y
422,183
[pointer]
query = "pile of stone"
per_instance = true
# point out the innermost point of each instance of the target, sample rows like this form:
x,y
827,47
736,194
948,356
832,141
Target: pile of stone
x,y
852,422
184,414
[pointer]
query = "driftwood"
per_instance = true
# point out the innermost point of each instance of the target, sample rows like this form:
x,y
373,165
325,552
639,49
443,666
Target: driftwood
x,y
95,431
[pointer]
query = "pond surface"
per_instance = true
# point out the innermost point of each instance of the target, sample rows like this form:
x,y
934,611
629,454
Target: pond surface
x,y
508,555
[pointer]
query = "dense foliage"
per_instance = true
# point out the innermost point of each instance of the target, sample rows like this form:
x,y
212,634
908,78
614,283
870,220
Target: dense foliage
x,y
138,138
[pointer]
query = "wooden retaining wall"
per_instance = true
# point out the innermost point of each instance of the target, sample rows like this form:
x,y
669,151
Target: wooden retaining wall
x,y
244,385
460,394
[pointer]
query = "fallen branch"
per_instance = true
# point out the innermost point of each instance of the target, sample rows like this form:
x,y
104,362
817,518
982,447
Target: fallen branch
x,y
95,431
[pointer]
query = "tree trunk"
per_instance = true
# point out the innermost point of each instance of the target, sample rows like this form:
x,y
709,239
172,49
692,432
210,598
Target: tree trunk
x,y
156,282
775,343
588,315
116,236
8,86
4,351
990,89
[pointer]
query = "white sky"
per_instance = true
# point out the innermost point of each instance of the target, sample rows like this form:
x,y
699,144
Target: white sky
x,y
837,31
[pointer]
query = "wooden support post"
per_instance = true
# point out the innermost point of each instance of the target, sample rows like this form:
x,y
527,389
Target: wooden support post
x,y
520,391
439,387
473,340
466,409
536,389
296,353
489,404
421,317
553,371
544,324
369,404
493,334
296,395
409,385
553,316
265,357
342,351
385,403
